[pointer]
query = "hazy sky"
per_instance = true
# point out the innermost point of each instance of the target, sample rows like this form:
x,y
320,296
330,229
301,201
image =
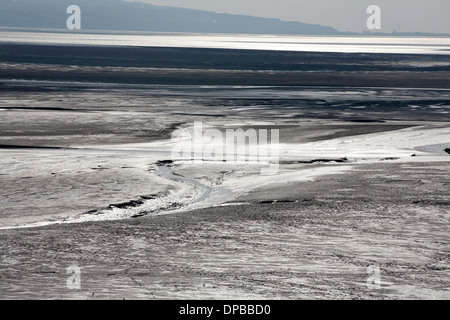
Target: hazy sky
x,y
344,15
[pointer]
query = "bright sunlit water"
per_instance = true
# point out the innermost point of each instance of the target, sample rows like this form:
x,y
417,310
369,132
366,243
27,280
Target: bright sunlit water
x,y
363,44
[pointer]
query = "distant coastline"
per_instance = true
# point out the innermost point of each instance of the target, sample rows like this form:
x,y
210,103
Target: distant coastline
x,y
150,32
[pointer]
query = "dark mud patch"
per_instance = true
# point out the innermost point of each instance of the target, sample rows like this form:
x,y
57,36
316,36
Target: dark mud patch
x,y
126,205
6,146
164,162
315,161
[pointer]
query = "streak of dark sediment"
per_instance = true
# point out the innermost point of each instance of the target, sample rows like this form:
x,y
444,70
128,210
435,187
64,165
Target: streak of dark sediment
x,y
6,146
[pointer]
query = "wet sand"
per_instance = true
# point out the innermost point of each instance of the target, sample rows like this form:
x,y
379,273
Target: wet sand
x,y
315,242
307,238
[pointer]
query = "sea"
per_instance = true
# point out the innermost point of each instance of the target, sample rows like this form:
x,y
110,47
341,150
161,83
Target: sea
x,y
346,44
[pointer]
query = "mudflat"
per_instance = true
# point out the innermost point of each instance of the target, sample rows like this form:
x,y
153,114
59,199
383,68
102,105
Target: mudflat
x,y
316,240
87,178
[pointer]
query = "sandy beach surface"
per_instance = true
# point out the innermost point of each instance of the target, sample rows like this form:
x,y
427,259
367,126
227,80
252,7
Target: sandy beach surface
x,y
88,181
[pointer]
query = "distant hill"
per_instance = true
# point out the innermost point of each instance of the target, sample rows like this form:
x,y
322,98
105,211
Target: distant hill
x,y
134,16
